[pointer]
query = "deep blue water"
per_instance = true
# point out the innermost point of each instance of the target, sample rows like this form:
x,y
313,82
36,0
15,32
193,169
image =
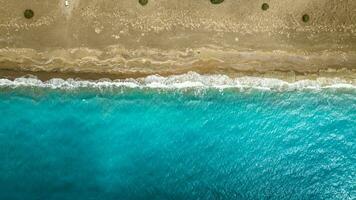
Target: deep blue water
x,y
156,144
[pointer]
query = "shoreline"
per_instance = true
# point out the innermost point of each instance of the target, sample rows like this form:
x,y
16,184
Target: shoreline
x,y
190,80
343,74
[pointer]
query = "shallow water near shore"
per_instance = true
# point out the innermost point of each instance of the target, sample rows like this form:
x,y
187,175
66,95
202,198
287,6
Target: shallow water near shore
x,y
160,142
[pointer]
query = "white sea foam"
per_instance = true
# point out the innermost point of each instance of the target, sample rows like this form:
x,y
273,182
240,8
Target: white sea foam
x,y
188,80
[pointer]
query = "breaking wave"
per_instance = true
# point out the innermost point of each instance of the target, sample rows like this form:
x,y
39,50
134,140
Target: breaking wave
x,y
188,80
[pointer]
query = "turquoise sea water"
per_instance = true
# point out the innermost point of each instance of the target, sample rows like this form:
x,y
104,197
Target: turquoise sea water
x,y
177,144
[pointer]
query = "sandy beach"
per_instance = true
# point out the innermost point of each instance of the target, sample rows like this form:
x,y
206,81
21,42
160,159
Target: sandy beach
x,y
120,39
